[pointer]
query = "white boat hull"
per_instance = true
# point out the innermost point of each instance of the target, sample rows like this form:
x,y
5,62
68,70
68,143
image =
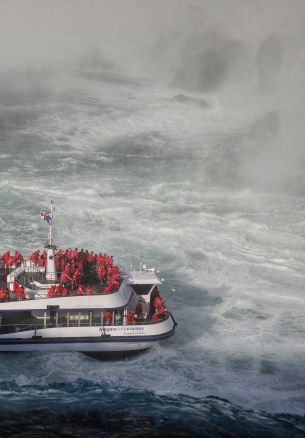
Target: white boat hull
x,y
92,347
99,339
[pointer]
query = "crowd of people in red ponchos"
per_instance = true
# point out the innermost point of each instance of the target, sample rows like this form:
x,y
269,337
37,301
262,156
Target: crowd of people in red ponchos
x,y
18,291
11,261
78,270
79,267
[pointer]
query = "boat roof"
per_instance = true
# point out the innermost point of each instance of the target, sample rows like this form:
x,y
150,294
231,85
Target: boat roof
x,y
143,277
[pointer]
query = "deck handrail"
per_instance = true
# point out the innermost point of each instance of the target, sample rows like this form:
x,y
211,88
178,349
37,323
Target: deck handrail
x,y
13,297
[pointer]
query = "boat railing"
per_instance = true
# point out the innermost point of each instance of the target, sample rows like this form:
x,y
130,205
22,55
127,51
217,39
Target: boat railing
x,y
34,295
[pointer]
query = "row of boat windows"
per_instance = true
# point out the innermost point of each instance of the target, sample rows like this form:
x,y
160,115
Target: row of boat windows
x,y
27,320
60,316
95,316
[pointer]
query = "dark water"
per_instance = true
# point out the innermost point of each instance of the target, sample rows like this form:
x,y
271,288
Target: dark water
x,y
85,408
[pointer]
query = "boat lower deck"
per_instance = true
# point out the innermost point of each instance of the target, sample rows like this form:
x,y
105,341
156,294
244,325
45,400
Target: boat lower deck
x,y
24,321
88,338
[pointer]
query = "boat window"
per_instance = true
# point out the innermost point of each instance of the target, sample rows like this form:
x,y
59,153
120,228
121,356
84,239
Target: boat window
x,y
97,316
21,316
39,314
142,289
76,315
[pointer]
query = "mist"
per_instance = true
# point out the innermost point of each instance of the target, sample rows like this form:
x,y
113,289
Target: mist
x,y
174,130
245,57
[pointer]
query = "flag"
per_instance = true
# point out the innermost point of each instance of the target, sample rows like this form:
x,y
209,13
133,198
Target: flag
x,y
46,217
43,215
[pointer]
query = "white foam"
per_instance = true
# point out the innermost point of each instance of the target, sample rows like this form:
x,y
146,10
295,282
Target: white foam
x,y
235,256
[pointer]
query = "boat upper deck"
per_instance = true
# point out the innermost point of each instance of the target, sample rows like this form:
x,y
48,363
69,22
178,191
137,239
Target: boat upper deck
x,y
71,280
57,273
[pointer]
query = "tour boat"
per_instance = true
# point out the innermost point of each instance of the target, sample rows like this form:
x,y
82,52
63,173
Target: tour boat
x,y
75,300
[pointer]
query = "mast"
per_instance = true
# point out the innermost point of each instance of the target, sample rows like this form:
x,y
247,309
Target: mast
x,y
51,273
51,225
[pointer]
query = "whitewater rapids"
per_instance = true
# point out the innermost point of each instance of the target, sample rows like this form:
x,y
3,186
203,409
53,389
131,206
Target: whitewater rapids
x,y
234,255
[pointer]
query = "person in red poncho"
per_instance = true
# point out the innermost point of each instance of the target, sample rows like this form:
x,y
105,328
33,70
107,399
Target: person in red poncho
x,y
154,318
4,294
62,263
90,258
58,290
77,274
108,290
159,306
64,292
158,301
15,286
64,277
6,256
68,254
51,292
89,290
75,254
107,318
161,310
100,272
73,265
11,262
18,257
80,290
34,257
41,261
131,319
20,292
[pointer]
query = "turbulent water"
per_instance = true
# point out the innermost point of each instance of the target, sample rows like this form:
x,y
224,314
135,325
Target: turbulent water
x,y
205,180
